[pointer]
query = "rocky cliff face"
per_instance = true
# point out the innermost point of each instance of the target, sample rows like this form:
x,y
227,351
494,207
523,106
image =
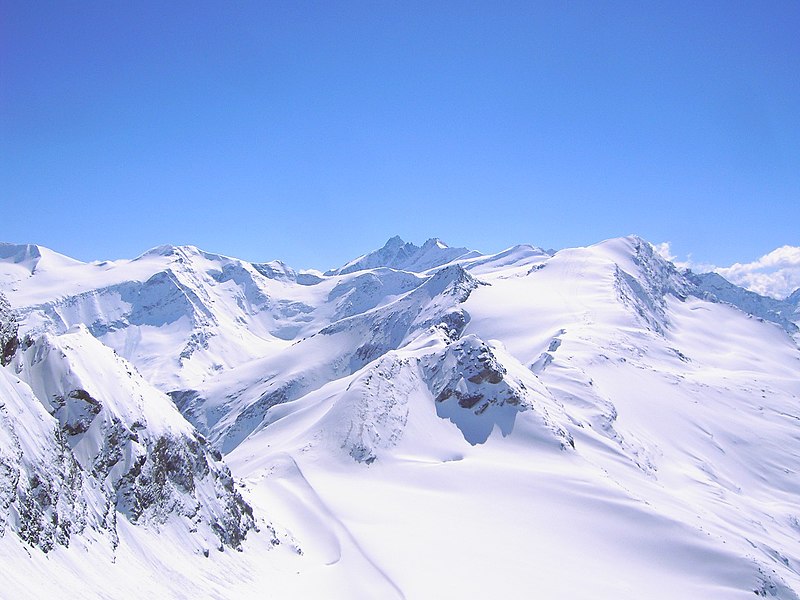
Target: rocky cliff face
x,y
595,395
8,331
85,440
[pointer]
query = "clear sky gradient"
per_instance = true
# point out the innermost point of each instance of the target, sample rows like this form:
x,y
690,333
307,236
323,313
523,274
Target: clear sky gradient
x,y
312,132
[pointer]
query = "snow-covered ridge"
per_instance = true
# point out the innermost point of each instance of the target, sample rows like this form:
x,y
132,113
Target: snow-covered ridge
x,y
564,415
780,312
85,439
406,256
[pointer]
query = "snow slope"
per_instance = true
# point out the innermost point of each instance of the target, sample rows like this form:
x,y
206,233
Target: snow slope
x,y
426,422
640,463
179,314
86,442
780,312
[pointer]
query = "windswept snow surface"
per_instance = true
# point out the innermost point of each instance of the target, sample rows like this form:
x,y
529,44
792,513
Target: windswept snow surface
x,y
178,313
432,422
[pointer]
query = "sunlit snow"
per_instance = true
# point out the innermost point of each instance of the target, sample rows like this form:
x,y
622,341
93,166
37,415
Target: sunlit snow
x,y
423,422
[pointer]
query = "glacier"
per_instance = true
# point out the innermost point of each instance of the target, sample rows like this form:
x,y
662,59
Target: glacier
x,y
423,421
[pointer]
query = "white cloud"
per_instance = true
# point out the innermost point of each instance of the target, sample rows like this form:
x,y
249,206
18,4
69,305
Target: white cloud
x,y
664,250
775,274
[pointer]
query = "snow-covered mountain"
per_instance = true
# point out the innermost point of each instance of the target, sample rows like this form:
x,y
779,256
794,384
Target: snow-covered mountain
x,y
422,422
86,439
178,313
780,312
406,256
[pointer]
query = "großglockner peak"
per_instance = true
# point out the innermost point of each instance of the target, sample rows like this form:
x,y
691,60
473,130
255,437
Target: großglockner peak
x,y
592,423
406,256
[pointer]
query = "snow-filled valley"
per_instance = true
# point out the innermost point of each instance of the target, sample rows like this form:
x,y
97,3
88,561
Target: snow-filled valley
x,y
422,422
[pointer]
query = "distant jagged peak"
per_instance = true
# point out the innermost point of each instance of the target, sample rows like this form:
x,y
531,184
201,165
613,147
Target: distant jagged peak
x,y
435,243
394,241
407,256
182,251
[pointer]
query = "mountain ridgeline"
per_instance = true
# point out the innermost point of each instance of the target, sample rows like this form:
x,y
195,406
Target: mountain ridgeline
x,y
87,440
330,425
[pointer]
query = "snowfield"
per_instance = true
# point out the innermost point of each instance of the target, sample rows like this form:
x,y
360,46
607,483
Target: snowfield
x,y
422,422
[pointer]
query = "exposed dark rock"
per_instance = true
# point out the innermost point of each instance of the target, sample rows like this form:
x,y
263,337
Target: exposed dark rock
x,y
656,279
470,400
474,390
76,411
164,481
9,342
50,501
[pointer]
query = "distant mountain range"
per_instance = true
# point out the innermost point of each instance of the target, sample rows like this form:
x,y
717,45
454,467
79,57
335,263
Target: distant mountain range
x,y
422,422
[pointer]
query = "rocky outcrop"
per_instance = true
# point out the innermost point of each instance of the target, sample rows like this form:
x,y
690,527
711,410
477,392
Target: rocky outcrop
x,y
45,497
472,385
401,255
649,278
8,331
84,439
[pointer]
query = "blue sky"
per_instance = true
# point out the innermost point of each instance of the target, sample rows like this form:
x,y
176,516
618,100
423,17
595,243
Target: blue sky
x,y
312,132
